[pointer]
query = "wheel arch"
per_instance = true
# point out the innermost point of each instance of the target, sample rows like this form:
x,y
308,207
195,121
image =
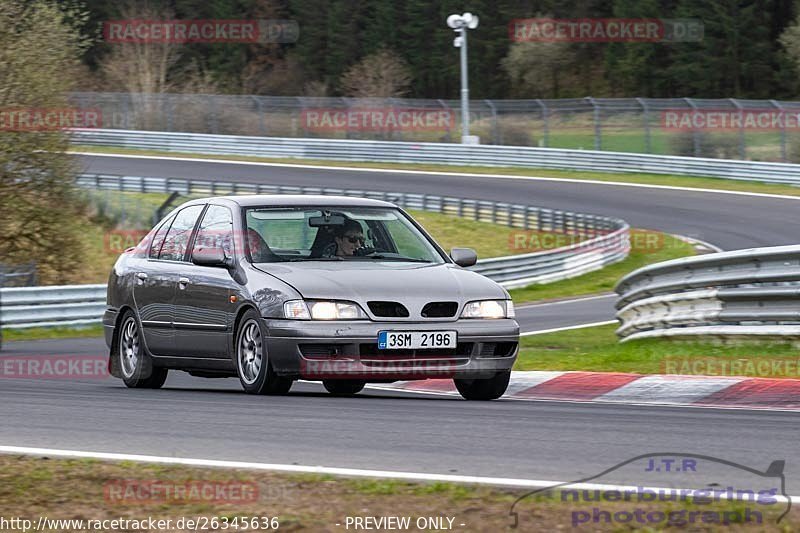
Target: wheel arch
x,y
235,331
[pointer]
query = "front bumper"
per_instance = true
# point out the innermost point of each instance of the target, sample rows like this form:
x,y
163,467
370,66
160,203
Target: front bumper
x,y
318,350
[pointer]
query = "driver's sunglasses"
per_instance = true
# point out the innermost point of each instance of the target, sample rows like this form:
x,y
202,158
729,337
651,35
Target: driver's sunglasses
x,y
354,240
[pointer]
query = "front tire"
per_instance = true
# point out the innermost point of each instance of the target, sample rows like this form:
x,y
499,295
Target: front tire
x,y
252,360
343,387
484,389
135,364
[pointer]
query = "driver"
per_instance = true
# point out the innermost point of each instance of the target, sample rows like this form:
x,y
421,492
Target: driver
x,y
348,238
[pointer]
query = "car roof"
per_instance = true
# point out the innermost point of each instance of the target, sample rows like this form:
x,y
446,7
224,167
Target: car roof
x,y
292,200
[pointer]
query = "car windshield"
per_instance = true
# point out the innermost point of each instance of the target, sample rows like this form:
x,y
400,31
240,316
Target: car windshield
x,y
335,234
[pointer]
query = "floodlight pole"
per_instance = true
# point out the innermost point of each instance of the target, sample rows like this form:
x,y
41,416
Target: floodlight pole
x,y
464,86
460,24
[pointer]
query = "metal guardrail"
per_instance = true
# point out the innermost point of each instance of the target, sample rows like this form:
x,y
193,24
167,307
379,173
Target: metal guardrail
x,y
741,293
441,153
605,241
58,305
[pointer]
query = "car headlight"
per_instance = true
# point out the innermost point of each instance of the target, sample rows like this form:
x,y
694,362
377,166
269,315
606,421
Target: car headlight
x,y
489,309
323,310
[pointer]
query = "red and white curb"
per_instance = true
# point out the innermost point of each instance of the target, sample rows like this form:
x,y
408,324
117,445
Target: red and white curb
x,y
613,387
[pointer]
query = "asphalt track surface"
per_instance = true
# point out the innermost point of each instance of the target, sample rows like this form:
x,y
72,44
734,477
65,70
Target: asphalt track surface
x,y
419,433
382,430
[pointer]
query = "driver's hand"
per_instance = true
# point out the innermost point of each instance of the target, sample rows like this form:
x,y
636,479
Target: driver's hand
x,y
364,250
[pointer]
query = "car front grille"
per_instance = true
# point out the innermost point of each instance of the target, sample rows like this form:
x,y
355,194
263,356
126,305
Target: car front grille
x,y
439,309
388,309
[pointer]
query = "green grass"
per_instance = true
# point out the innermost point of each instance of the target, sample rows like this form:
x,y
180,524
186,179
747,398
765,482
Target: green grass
x,y
598,349
488,240
76,489
643,252
51,333
642,178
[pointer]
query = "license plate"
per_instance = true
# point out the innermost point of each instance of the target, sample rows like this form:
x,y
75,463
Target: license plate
x,y
415,340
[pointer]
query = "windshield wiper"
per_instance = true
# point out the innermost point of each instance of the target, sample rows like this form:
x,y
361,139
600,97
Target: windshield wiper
x,y
332,258
377,255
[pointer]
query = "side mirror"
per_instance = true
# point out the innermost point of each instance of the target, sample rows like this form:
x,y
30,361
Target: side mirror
x,y
464,257
213,257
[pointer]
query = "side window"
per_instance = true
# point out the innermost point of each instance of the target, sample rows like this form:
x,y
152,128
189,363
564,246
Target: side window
x,y
216,230
158,238
177,239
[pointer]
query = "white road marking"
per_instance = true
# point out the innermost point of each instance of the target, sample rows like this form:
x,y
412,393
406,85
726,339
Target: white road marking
x,y
566,328
355,472
669,388
567,301
441,173
524,380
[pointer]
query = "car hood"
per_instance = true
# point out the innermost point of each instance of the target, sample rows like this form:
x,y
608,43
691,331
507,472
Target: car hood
x,y
411,284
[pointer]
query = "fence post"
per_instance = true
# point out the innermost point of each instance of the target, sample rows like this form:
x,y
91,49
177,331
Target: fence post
x,y
448,135
214,115
545,122
494,121
168,103
262,127
742,148
695,136
783,130
598,142
646,122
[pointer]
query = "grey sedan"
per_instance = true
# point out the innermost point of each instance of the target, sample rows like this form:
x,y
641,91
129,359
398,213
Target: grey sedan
x,y
272,289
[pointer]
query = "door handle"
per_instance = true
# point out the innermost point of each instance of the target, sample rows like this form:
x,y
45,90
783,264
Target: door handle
x,y
183,282
141,276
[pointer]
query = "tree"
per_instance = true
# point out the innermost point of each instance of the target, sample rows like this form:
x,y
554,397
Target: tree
x,y
383,74
790,40
535,68
40,214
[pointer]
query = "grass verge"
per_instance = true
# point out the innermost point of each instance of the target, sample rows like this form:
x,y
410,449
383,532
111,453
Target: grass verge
x,y
52,333
598,349
641,178
65,489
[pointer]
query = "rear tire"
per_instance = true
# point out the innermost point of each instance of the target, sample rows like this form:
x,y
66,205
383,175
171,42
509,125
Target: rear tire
x,y
484,389
135,364
252,360
343,387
